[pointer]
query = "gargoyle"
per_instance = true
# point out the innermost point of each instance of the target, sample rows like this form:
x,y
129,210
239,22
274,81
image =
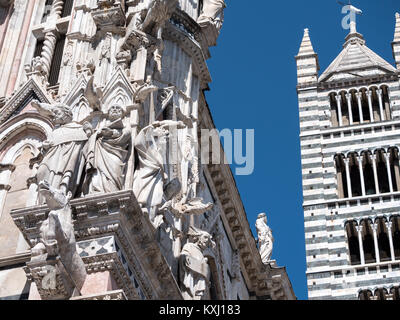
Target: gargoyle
x,y
57,239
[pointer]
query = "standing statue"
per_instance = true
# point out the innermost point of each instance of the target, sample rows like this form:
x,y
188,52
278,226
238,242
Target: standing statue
x,y
61,165
212,12
195,275
265,238
106,154
150,176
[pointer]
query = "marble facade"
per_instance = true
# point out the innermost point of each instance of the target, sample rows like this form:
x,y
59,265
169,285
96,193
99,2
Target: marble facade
x,y
101,191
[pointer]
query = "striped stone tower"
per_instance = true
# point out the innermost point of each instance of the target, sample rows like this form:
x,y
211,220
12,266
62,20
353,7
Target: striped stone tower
x,y
350,141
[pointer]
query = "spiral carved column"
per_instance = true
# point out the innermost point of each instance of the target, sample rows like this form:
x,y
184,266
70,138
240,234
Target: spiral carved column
x,y
50,38
56,9
48,51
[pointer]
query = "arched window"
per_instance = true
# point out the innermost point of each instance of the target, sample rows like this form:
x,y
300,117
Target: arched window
x,y
334,110
394,168
382,172
365,106
375,105
345,109
383,240
368,241
369,179
341,176
381,294
395,293
354,107
365,295
354,245
386,102
355,175
396,236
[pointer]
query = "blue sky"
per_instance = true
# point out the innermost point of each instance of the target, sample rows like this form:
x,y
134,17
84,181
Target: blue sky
x,y
254,87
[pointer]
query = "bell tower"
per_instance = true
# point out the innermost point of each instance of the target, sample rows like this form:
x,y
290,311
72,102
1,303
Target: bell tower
x,y
349,129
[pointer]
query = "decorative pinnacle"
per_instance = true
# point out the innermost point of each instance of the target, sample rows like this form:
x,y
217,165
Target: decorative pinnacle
x,y
306,47
397,29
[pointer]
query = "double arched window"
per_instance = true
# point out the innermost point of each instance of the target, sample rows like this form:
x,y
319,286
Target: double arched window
x,y
368,172
380,294
373,240
358,106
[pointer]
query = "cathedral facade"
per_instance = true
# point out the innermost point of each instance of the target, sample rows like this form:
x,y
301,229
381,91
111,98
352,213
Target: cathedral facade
x,y
103,194
350,136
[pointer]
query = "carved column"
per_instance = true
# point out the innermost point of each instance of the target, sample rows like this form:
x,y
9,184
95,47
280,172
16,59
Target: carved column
x,y
389,226
374,229
360,167
389,171
51,36
359,96
360,243
49,46
379,93
56,9
375,173
349,107
371,113
339,105
349,191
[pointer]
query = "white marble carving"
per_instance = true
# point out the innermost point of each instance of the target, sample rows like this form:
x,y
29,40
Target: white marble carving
x,y
212,12
106,154
56,266
150,176
62,164
194,265
265,238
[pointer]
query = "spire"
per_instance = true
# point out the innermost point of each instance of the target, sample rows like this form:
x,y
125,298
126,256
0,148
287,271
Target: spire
x,y
306,47
397,29
307,61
